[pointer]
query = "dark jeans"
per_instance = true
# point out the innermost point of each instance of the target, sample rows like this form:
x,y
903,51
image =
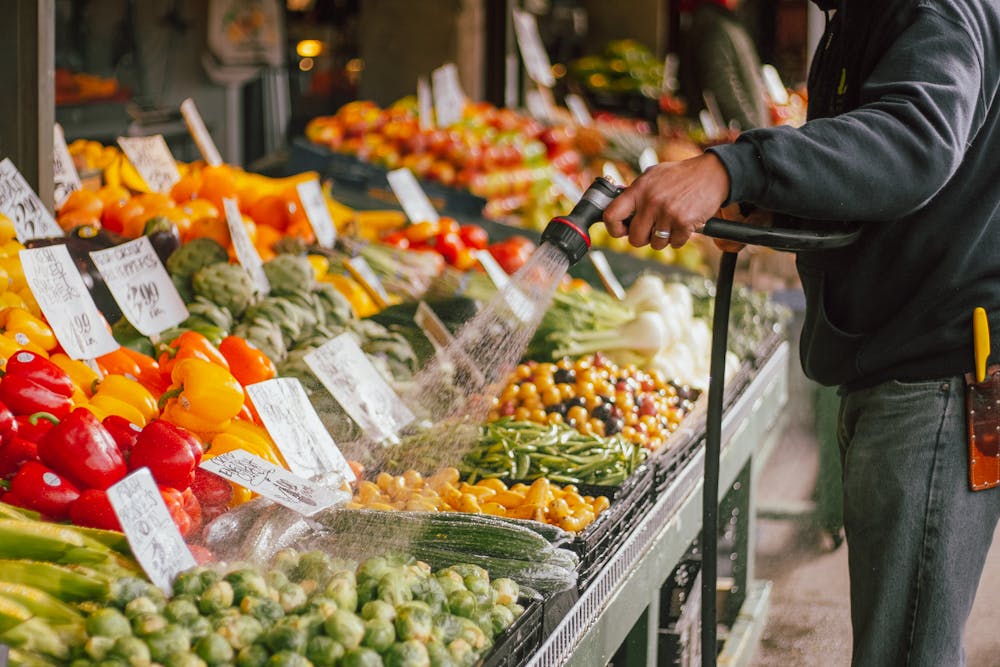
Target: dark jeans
x,y
917,536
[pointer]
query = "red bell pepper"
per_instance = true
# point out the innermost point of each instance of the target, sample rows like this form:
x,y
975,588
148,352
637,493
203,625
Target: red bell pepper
x,y
82,450
33,427
212,491
43,490
170,452
8,423
193,509
93,509
174,500
123,431
32,383
14,453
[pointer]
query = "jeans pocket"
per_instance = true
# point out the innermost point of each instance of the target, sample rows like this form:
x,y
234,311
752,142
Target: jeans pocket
x,y
829,354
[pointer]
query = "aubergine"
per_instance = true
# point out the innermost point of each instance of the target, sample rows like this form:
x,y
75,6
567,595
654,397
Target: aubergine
x,y
163,236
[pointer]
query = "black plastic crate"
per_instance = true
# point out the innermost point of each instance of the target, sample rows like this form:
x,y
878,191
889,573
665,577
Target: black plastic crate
x,y
516,646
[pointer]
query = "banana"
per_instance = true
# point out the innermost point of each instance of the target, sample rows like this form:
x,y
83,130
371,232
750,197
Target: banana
x,y
131,178
63,583
113,172
39,603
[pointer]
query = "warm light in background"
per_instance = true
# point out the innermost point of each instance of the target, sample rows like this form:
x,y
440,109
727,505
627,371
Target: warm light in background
x,y
306,64
355,65
309,48
558,70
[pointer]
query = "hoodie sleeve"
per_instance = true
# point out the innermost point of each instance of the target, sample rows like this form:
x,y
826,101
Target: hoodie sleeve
x,y
919,110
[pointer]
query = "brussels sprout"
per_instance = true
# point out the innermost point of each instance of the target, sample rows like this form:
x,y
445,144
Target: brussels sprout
x,y
378,609
108,622
323,651
126,589
141,605
276,579
466,570
239,631
288,659
414,621
214,649
379,634
184,660
311,622
265,610
247,583
346,628
446,628
367,591
322,605
450,582
147,623
410,653
97,648
252,656
108,662
284,637
373,569
501,618
507,590
215,597
515,609
394,588
438,654
462,603
481,589
189,582
430,591
198,628
473,634
292,598
286,560
170,641
361,657
132,651
314,565
344,592
181,610
462,652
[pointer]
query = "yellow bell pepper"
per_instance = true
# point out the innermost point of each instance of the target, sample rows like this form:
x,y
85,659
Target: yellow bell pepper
x,y
203,398
115,406
15,272
15,321
7,229
259,437
361,301
129,391
82,375
9,344
30,303
11,300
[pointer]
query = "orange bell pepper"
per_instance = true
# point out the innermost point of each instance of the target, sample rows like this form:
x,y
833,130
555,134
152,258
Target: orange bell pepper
x,y
149,371
190,345
119,363
246,361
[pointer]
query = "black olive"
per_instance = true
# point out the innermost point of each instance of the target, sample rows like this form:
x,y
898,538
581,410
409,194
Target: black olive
x,y
575,401
564,376
558,407
602,411
613,425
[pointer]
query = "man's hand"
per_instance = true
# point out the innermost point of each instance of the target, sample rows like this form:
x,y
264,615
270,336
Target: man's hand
x,y
672,197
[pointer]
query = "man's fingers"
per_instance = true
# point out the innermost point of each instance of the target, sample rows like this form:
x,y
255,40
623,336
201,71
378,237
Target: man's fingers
x,y
617,212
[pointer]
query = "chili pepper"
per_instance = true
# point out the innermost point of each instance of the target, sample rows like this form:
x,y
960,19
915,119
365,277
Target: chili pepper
x,y
42,489
9,346
82,375
14,453
82,450
247,362
174,500
118,363
93,509
189,345
115,389
16,321
123,431
32,384
204,397
193,508
171,453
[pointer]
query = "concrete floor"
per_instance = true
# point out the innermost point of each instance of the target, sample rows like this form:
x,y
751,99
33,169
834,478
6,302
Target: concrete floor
x,y
809,621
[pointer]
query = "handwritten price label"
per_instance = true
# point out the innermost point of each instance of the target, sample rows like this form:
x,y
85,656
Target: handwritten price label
x,y
449,99
152,159
56,283
349,376
246,253
273,482
411,196
141,286
64,171
292,421
196,126
156,543
536,60
314,204
20,203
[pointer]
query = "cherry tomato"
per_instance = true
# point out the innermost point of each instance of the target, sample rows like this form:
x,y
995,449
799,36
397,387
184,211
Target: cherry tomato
x,y
448,225
512,253
474,236
449,245
422,231
396,240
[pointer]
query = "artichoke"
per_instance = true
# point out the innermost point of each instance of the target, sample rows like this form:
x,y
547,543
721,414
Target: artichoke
x,y
194,255
266,335
289,273
335,305
227,285
201,310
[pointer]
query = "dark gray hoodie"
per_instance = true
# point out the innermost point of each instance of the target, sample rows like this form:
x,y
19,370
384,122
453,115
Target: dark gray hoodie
x,y
903,137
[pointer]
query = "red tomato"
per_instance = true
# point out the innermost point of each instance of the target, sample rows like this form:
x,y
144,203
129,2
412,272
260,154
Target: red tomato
x,y
474,236
449,246
421,231
512,253
446,225
397,240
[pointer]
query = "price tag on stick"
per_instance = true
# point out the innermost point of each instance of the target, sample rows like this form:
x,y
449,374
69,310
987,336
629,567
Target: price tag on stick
x,y
141,286
425,104
55,281
20,203
432,326
64,171
610,172
566,187
775,86
578,108
536,60
648,158
349,376
151,532
246,253
411,196
314,204
292,421
273,482
607,276
196,126
449,99
361,270
152,159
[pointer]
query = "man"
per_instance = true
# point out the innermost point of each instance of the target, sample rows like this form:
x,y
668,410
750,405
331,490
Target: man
x,y
903,138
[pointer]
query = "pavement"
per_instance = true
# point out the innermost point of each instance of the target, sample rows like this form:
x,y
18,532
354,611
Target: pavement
x,y
809,620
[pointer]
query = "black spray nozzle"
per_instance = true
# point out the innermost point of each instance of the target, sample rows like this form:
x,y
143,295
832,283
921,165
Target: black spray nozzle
x,y
571,233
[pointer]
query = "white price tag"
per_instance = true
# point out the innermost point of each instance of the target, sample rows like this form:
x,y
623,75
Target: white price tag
x,y
539,110
141,286
295,427
196,126
493,269
536,60
578,108
20,203
64,171
708,124
245,250
449,99
566,187
411,196
361,270
671,64
152,534
648,158
432,326
425,104
67,305
152,159
314,205
775,86
610,172
273,482
607,276
349,376
520,306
